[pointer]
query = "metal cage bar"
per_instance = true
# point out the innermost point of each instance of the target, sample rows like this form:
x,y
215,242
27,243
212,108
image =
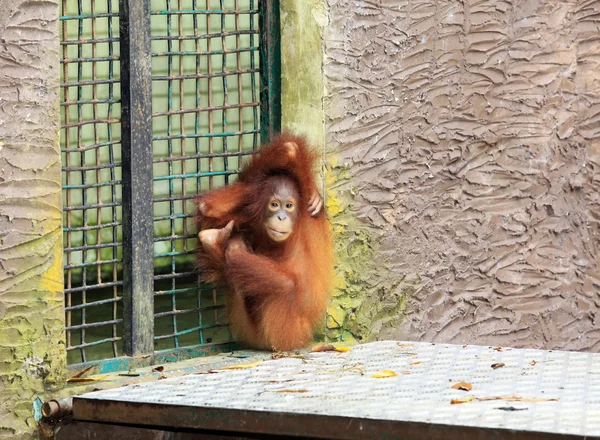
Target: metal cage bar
x,y
91,180
136,138
270,66
164,105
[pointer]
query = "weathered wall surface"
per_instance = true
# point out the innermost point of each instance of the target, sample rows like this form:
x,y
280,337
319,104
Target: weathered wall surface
x,y
464,143
31,315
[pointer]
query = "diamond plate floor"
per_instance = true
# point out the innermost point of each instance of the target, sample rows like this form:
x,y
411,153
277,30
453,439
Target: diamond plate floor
x,y
333,395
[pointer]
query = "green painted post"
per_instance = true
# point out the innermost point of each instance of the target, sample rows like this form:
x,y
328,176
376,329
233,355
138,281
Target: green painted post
x,y
270,69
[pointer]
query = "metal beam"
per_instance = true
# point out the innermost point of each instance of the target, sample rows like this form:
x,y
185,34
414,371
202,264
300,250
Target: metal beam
x,y
270,69
136,145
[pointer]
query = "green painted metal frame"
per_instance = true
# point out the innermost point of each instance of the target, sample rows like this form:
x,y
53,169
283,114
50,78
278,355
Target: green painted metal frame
x,y
270,67
136,85
130,363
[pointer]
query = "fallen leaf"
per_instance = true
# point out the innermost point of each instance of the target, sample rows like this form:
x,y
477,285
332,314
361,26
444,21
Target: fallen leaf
x,y
291,391
241,366
286,354
415,363
239,355
82,372
517,398
322,347
465,386
463,400
86,379
130,373
329,347
498,349
532,363
511,398
162,377
384,373
158,369
498,365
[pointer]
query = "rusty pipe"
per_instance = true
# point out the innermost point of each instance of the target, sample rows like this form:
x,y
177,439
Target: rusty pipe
x,y
57,408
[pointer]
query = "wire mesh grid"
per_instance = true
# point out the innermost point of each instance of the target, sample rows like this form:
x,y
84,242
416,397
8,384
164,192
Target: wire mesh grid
x,y
205,119
206,113
91,153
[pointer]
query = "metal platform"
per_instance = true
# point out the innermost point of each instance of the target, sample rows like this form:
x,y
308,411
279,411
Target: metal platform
x,y
334,395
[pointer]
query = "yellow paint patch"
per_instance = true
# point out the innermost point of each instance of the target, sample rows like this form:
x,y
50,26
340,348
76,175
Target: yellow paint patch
x,y
337,314
52,279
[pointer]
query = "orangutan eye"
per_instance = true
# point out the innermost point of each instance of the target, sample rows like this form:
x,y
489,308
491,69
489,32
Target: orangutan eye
x,y
289,206
274,205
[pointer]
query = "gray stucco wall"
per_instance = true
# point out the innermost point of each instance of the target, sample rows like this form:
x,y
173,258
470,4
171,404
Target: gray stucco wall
x,y
32,357
464,139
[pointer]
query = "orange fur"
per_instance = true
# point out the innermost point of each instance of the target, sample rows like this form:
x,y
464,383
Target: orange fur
x,y
280,292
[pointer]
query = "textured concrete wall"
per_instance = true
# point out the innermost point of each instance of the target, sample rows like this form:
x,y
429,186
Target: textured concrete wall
x,y
464,141
32,358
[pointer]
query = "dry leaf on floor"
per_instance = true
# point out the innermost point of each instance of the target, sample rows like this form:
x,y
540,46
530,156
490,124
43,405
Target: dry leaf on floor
x,y
384,373
465,386
498,365
328,347
322,347
241,366
86,379
158,369
498,349
511,398
291,391
286,354
415,363
130,374
82,372
517,398
532,363
463,400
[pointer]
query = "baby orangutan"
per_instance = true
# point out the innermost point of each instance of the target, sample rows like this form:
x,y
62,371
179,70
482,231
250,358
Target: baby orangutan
x,y
267,237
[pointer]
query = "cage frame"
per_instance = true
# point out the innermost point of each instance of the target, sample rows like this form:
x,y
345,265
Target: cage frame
x,y
137,178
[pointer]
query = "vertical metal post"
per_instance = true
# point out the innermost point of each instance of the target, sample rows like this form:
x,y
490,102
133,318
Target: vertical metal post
x,y
136,144
270,69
